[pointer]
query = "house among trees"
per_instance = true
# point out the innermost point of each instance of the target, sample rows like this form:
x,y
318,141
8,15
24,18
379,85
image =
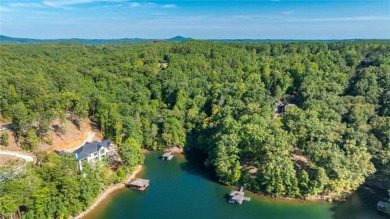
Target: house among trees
x,y
281,107
162,64
92,151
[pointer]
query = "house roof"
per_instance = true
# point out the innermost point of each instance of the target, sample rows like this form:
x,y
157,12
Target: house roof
x,y
90,148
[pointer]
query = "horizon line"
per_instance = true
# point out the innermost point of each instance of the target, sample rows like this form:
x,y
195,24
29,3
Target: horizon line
x,y
190,38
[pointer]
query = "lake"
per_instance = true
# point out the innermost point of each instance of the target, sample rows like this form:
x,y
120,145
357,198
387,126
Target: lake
x,y
184,188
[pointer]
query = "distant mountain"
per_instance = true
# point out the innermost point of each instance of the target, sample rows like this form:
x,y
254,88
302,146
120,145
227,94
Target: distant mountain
x,y
279,40
179,38
7,39
13,40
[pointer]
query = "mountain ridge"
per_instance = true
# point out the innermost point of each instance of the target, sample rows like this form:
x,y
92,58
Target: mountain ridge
x,y
19,40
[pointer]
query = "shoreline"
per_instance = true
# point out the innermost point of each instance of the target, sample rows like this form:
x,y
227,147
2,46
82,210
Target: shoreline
x,y
107,192
173,149
176,149
325,198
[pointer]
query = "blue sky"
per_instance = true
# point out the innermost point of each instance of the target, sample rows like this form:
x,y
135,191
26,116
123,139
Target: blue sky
x,y
265,19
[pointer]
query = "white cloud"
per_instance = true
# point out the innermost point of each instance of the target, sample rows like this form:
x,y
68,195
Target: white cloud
x,y
4,9
26,5
280,18
142,5
135,4
169,6
253,17
287,12
243,17
63,3
66,3
356,18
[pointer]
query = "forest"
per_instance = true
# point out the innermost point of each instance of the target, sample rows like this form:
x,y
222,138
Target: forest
x,y
221,98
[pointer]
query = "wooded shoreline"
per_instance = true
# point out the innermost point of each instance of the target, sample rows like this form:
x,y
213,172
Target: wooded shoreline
x,y
108,191
284,119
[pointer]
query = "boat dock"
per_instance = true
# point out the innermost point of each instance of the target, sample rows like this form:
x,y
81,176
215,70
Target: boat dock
x,y
167,156
383,207
139,184
237,197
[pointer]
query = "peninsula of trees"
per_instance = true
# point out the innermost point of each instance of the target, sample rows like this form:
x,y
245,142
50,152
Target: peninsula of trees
x,y
217,97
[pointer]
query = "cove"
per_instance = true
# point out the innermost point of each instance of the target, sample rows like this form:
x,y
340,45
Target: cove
x,y
184,188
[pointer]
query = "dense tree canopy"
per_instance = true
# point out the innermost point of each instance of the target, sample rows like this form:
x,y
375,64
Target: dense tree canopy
x,y
218,97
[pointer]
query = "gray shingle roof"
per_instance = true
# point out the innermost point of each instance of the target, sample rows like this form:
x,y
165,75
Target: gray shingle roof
x,y
90,148
140,182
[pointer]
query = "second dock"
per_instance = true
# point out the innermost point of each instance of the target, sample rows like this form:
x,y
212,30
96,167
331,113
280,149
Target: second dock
x,y
237,197
167,156
139,184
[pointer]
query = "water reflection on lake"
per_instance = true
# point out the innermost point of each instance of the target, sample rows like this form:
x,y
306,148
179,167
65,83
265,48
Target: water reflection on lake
x,y
184,188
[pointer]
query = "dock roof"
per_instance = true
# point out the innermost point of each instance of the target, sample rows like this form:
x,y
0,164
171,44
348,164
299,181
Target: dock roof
x,y
140,182
237,195
167,154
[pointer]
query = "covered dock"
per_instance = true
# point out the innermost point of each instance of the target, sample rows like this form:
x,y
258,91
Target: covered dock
x,y
139,184
383,207
237,197
167,156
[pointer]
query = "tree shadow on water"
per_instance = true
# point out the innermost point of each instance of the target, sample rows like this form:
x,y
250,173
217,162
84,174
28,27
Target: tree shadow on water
x,y
195,164
361,204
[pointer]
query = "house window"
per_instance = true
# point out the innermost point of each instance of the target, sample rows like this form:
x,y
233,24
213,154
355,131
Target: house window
x,y
102,151
95,154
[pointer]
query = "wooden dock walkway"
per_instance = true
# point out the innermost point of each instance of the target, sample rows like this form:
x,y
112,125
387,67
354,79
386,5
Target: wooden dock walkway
x,y
237,197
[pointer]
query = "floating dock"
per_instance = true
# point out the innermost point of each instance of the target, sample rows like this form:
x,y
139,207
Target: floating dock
x,y
237,197
139,184
383,207
167,156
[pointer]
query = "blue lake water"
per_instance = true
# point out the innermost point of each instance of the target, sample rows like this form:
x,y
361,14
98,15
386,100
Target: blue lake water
x,y
183,188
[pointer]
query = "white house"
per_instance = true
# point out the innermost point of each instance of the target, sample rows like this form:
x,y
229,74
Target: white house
x,y
92,151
